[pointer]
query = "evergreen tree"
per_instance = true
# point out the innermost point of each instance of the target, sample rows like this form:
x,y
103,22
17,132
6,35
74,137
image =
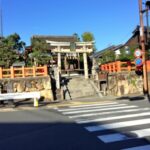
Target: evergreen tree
x,y
40,54
10,48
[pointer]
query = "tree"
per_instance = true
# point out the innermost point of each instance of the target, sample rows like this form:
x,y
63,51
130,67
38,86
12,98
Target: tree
x,y
127,57
87,37
77,37
9,50
107,56
40,52
14,43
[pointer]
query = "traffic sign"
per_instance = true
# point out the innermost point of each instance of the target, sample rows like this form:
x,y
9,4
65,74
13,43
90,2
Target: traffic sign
x,y
137,53
138,62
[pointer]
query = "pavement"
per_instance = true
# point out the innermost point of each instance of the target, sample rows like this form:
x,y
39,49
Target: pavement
x,y
50,126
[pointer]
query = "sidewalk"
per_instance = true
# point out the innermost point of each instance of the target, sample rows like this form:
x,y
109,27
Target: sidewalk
x,y
28,105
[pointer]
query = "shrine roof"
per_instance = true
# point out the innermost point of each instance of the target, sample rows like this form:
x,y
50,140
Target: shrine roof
x,y
56,38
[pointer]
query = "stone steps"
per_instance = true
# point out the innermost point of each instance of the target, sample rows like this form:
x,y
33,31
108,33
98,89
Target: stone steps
x,y
79,87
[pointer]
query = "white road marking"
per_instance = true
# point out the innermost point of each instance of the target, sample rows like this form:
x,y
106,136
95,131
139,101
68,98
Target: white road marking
x,y
141,133
108,138
101,104
100,109
144,147
91,107
113,137
114,118
109,112
117,125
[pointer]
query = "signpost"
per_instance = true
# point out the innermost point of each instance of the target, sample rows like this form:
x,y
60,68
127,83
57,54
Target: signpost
x,y
137,53
138,60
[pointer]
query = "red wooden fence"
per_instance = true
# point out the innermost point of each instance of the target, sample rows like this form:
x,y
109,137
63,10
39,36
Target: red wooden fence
x,y
119,66
23,72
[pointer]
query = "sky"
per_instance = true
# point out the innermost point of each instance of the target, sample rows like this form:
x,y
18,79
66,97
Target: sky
x,y
110,21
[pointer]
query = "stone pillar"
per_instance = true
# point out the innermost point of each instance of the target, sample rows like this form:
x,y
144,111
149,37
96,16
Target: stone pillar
x,y
85,65
78,61
94,68
59,61
65,63
57,77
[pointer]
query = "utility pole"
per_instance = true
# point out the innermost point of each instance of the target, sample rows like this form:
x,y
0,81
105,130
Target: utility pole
x,y
1,20
142,43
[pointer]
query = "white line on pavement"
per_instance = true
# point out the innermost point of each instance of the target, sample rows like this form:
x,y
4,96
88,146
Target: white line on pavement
x,y
141,133
91,107
117,125
108,138
109,112
101,104
100,109
114,118
113,137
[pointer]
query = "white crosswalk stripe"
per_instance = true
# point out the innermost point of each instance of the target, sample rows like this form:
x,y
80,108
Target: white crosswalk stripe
x,y
118,125
91,107
87,105
141,133
127,135
114,116
113,137
109,112
98,109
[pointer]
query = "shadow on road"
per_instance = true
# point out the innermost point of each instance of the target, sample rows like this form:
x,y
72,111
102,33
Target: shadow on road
x,y
39,130
56,136
131,98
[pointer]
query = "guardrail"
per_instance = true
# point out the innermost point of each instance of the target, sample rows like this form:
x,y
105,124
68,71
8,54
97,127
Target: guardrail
x,y
22,72
119,66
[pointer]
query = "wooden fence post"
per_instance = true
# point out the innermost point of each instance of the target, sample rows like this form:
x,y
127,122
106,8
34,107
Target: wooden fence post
x,y
129,67
23,72
106,67
118,66
109,65
102,67
148,65
45,70
34,71
1,73
12,72
114,67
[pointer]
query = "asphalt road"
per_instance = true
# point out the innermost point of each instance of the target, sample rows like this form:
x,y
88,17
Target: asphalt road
x,y
43,130
52,129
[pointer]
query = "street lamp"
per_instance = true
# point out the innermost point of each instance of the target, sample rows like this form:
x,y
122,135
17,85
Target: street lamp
x,y
142,43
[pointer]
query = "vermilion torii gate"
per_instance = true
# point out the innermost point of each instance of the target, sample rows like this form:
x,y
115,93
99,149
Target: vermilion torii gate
x,y
69,49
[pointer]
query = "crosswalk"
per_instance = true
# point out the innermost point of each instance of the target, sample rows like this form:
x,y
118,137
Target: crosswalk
x,y
113,122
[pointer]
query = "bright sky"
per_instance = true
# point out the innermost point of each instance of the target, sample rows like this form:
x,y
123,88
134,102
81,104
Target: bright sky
x,y
111,21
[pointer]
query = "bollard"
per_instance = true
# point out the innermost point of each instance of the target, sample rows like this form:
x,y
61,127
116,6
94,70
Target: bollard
x,y
36,102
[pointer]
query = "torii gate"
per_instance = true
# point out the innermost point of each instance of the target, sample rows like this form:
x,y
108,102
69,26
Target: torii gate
x,y
78,48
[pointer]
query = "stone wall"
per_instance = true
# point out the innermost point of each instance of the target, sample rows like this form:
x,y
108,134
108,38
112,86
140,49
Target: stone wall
x,y
42,84
124,83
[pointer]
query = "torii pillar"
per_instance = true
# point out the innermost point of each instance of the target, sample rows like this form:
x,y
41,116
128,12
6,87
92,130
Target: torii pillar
x,y
59,59
86,74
